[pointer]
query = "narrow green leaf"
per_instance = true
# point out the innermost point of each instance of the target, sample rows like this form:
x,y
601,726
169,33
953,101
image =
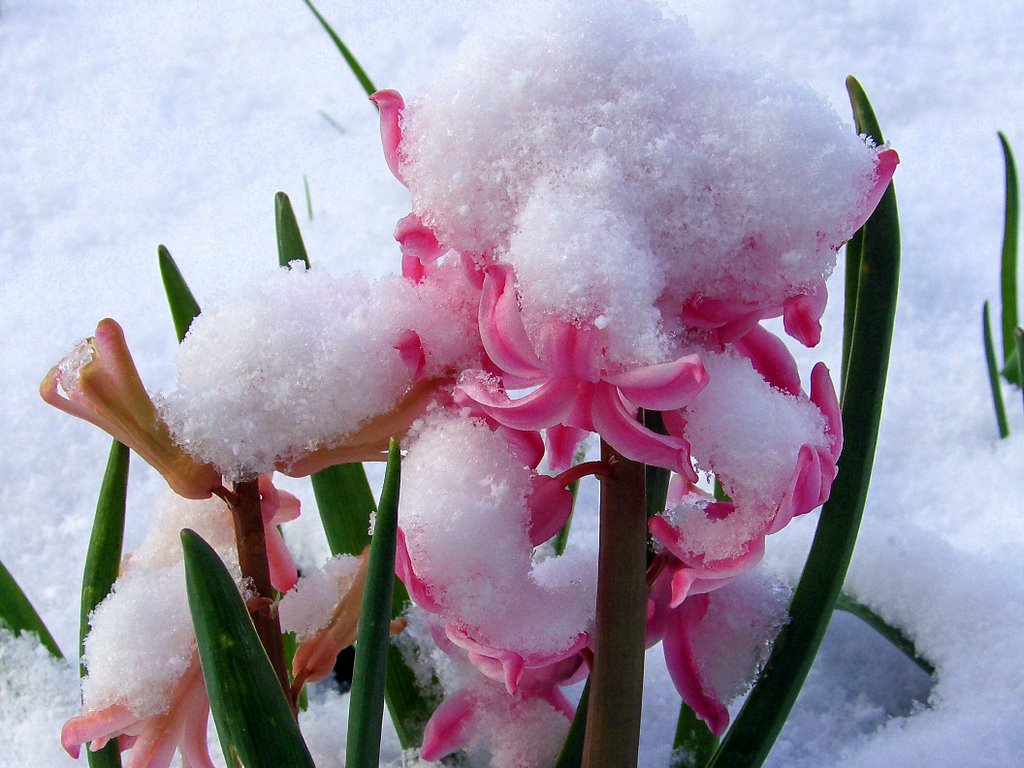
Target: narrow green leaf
x,y
694,742
102,562
854,255
656,478
1011,234
289,240
309,199
1011,370
357,70
184,307
750,739
993,374
561,539
906,646
253,718
571,755
345,502
17,613
1018,341
366,707
332,122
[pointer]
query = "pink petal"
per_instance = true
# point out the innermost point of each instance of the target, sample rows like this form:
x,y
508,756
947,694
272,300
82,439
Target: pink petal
x,y
771,358
448,729
501,326
684,667
390,103
619,427
563,442
884,170
662,387
570,352
551,403
420,247
801,315
99,724
734,319
419,591
823,395
550,505
410,349
283,572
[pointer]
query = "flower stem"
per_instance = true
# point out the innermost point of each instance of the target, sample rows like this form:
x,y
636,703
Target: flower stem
x,y
250,538
616,682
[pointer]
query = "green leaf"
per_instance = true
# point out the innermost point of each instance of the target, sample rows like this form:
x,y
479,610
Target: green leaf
x,y
886,630
748,742
366,707
656,478
561,539
253,718
993,375
102,562
357,70
1018,341
184,307
345,502
571,755
694,742
1011,370
17,613
289,240
309,199
1011,233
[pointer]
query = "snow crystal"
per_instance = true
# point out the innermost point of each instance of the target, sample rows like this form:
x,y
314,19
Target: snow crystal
x,y
301,360
310,605
623,167
465,515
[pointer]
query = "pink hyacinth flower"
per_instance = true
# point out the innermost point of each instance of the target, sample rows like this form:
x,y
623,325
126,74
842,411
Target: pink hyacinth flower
x,y
572,388
102,386
153,740
278,507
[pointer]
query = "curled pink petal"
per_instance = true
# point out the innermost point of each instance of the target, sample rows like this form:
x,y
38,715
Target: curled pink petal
x,y
662,387
550,505
801,315
733,319
570,352
771,358
884,170
418,589
501,326
562,443
449,727
410,349
823,395
92,726
684,668
390,103
420,248
618,426
549,404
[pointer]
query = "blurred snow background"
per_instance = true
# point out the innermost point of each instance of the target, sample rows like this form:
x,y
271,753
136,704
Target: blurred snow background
x,y
124,125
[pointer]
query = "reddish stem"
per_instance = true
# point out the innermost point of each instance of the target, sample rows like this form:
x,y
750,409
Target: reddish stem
x,y
250,538
616,682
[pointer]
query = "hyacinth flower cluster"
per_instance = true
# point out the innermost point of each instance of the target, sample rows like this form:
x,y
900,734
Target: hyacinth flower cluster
x,y
600,226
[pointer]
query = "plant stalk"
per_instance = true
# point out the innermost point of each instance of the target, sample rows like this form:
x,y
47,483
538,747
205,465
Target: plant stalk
x,y
616,682
250,538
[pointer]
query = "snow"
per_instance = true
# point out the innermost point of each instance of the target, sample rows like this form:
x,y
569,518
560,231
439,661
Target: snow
x,y
126,125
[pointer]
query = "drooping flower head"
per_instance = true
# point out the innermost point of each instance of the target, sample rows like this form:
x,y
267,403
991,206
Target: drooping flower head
x,y
102,386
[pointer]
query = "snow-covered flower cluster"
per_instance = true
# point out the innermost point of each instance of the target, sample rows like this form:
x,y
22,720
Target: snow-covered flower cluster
x,y
604,210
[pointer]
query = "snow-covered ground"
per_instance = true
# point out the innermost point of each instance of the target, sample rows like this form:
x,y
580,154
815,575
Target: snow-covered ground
x,y
124,125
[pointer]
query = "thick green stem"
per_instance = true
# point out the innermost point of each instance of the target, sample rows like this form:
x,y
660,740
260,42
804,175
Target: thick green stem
x,y
616,693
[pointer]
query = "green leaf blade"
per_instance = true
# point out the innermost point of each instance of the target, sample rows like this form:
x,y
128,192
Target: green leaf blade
x,y
184,307
366,707
254,720
353,64
1011,239
17,613
289,239
993,374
